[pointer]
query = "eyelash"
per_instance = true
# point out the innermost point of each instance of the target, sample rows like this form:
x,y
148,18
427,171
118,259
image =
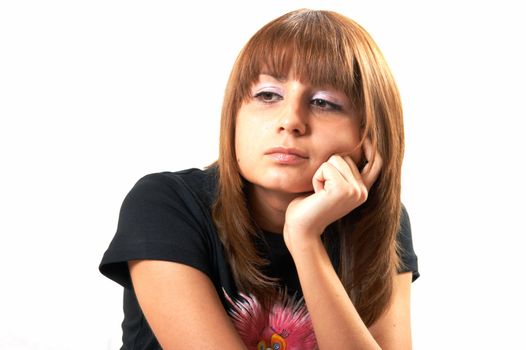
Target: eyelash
x,y
260,96
330,106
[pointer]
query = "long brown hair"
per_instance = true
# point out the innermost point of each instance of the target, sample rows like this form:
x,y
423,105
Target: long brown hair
x,y
323,48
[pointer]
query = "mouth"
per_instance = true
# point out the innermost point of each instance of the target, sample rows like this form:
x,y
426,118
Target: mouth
x,y
285,155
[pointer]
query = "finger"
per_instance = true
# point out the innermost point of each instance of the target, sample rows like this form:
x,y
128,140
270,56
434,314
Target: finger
x,y
372,169
318,180
359,183
357,176
326,175
354,184
368,149
349,170
341,163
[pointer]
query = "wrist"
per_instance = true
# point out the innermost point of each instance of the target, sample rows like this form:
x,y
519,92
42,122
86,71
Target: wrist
x,y
302,243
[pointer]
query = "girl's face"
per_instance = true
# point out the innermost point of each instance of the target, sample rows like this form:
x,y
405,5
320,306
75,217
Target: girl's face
x,y
287,129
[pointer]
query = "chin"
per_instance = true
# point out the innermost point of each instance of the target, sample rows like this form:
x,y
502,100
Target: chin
x,y
288,183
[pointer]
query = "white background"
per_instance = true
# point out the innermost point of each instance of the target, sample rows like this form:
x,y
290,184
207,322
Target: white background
x,y
96,94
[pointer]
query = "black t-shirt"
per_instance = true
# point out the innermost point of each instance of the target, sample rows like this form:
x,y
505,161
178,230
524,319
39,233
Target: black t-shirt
x,y
167,216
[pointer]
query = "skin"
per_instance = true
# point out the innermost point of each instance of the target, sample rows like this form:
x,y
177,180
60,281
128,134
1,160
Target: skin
x,y
299,198
319,122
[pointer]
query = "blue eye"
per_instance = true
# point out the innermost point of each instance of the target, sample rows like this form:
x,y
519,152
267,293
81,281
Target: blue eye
x,y
276,346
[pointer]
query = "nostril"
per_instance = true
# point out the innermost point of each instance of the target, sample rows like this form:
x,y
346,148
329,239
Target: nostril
x,y
296,129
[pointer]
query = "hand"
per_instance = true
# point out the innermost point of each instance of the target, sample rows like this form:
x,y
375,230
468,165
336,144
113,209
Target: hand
x,y
339,188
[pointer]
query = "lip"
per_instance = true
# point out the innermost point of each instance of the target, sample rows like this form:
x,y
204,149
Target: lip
x,y
286,155
286,150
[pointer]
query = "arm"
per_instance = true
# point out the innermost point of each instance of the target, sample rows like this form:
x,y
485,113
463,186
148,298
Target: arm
x,y
336,322
339,188
182,306
393,329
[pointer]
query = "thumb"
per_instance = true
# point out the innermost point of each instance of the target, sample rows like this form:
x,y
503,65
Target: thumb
x,y
319,178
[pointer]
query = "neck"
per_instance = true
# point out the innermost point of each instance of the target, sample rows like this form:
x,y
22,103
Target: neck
x,y
269,207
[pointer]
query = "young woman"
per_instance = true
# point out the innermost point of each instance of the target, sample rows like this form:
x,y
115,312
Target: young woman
x,y
304,201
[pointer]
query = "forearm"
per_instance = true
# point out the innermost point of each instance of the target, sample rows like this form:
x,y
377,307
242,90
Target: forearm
x,y
336,322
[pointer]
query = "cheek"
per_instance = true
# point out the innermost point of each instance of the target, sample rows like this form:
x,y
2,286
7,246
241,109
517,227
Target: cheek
x,y
343,141
238,144
247,140
251,134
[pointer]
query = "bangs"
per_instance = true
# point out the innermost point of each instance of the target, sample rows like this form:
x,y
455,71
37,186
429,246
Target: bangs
x,y
310,45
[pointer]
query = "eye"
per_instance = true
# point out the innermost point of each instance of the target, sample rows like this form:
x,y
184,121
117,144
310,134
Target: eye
x,y
278,343
261,345
325,105
268,96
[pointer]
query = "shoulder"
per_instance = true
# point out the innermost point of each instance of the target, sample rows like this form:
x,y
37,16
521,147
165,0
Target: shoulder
x,y
404,232
188,185
165,216
406,251
404,219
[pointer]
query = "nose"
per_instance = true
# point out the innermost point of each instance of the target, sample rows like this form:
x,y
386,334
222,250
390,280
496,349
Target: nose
x,y
293,118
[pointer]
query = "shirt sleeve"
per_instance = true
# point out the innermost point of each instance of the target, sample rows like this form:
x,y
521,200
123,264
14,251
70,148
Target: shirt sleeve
x,y
159,219
409,260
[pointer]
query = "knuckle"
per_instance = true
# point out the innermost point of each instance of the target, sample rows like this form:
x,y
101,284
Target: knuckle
x,y
333,160
358,194
354,193
364,196
323,166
